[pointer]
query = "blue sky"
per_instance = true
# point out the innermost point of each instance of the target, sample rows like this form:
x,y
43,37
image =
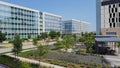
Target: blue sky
x,y
69,9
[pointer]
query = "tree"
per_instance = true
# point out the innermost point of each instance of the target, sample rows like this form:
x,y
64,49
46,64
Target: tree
x,y
53,34
58,34
38,37
118,44
41,50
2,36
35,41
44,35
29,36
67,42
88,40
17,46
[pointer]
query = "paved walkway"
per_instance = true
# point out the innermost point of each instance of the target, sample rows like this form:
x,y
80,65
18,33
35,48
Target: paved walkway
x,y
36,62
114,60
3,50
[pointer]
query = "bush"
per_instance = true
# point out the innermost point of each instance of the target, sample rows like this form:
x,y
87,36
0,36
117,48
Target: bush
x,y
24,65
10,41
23,39
80,51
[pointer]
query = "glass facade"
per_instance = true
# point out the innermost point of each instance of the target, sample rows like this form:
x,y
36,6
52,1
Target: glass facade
x,y
15,20
75,27
52,22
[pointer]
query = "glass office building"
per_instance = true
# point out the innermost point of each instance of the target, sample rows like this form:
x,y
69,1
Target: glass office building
x,y
24,21
75,26
20,20
51,22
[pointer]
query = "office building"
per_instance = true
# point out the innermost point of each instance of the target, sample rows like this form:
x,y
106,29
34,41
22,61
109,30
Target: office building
x,y
108,17
51,22
108,26
25,21
75,27
20,20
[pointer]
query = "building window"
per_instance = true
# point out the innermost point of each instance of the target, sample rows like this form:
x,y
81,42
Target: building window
x,y
119,15
112,10
110,15
114,5
113,20
110,25
111,33
116,20
119,19
109,6
114,25
115,9
113,14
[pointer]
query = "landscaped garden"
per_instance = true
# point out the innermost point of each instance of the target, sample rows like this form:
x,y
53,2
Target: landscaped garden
x,y
69,59
64,52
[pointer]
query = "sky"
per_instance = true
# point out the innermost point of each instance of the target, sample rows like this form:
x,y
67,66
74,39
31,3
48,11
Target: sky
x,y
84,10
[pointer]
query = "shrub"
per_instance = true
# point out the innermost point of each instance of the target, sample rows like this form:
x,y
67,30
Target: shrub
x,y
24,65
10,41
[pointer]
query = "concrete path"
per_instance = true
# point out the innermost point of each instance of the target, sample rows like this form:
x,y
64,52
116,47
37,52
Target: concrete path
x,y
114,60
3,50
36,62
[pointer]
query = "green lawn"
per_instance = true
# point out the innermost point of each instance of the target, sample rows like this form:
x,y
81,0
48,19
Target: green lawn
x,y
26,54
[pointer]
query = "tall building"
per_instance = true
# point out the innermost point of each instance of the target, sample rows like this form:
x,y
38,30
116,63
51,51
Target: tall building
x,y
51,22
25,21
108,17
20,20
75,27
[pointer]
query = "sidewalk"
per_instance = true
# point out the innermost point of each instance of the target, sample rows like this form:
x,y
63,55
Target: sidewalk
x,y
114,60
36,62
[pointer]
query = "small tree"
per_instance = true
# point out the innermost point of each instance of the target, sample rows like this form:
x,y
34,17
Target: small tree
x,y
2,36
67,42
29,36
38,37
53,34
41,50
17,46
44,36
35,42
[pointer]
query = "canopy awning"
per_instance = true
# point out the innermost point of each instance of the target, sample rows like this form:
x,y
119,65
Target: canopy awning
x,y
107,39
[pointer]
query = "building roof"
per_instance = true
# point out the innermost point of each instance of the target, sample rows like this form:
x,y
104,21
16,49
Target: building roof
x,y
17,6
107,39
52,14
